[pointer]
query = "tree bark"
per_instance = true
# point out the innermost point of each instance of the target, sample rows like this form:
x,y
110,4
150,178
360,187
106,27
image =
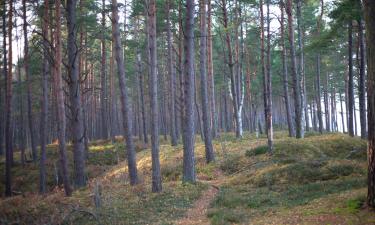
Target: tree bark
x,y
125,102
60,101
44,101
269,84
369,16
326,104
28,82
296,78
206,116
188,127
285,74
103,76
172,76
75,96
350,81
153,85
5,73
362,81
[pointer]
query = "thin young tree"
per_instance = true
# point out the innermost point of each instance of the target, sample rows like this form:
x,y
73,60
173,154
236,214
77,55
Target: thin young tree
x,y
206,117
125,101
369,16
153,85
189,119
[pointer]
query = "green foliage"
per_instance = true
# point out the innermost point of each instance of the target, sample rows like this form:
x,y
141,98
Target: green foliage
x,y
257,151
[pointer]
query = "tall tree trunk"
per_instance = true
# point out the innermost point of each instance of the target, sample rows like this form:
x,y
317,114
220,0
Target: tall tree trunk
x,y
172,76
75,96
5,73
103,77
8,108
206,116
44,101
342,113
28,82
125,101
362,81
210,72
269,84
350,81
296,78
326,104
369,15
188,127
60,101
153,85
233,89
285,74
305,115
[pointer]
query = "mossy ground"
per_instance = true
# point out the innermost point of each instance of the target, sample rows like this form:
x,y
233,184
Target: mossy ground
x,y
318,180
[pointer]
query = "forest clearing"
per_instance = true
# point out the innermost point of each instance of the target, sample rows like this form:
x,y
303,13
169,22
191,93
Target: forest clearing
x,y
187,112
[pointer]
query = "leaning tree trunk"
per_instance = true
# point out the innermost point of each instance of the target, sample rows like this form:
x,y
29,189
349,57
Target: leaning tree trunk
x,y
61,121
125,101
350,81
28,82
8,109
206,116
75,96
44,101
362,81
153,85
285,75
188,126
369,15
296,79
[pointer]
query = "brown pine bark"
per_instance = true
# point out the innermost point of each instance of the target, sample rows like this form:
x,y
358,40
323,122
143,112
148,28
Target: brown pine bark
x,y
369,16
103,78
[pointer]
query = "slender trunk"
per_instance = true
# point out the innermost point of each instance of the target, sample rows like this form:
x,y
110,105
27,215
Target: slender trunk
x,y
172,76
153,85
318,93
296,78
233,89
5,73
326,104
44,101
189,135
285,74
75,96
305,116
269,84
350,81
210,72
60,101
28,82
103,76
206,116
369,15
125,101
362,81
342,113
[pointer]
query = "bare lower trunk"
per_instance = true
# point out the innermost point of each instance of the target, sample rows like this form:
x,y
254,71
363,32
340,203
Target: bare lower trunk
x,y
350,81
269,85
125,102
296,78
153,85
369,15
206,116
60,102
28,81
188,127
75,96
103,77
362,81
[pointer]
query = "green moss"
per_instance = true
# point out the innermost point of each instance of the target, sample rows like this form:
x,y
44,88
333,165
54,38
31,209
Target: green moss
x,y
257,151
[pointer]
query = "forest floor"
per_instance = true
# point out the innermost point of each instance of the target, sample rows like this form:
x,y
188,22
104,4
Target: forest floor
x,y
318,180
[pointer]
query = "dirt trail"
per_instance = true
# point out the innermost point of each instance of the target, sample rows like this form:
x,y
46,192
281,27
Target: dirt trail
x,y
197,214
